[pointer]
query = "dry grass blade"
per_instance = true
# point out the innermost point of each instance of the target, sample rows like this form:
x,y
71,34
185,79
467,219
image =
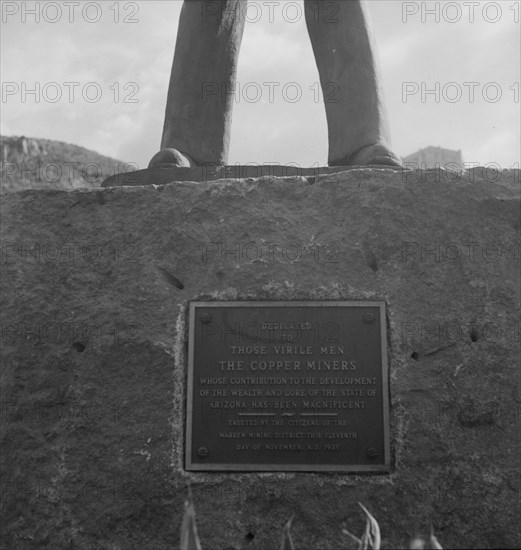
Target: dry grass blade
x,y
434,541
371,537
189,536
372,531
366,536
287,541
356,539
417,543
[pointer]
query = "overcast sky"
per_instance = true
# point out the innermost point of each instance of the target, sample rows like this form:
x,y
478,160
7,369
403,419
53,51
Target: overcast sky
x,y
130,49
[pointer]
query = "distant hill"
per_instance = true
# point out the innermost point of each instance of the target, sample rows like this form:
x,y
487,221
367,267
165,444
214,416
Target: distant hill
x,y
29,163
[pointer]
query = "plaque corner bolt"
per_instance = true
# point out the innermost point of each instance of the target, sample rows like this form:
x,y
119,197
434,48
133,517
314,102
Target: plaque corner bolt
x,y
203,452
371,452
369,318
206,318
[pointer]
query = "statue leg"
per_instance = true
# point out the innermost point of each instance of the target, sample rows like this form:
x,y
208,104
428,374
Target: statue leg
x,y
199,104
347,65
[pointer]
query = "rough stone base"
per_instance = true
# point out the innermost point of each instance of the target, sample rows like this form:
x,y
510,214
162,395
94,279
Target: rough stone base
x,y
96,286
212,172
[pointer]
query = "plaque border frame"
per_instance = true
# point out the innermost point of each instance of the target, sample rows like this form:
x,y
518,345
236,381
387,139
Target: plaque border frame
x,y
311,468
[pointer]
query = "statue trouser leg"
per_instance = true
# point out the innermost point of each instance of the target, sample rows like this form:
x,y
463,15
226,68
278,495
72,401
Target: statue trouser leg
x,y
200,97
347,65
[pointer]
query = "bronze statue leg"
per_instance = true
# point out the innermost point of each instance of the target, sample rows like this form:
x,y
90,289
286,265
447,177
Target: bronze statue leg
x,y
347,65
200,97
199,109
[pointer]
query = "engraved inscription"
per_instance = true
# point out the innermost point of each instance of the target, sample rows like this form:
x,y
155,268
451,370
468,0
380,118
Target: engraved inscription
x,y
287,387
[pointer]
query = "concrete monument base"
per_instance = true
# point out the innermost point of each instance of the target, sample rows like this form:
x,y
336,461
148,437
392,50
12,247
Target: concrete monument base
x,y
96,290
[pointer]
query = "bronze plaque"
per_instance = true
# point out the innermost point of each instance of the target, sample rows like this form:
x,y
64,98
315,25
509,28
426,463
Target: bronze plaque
x,y
288,386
